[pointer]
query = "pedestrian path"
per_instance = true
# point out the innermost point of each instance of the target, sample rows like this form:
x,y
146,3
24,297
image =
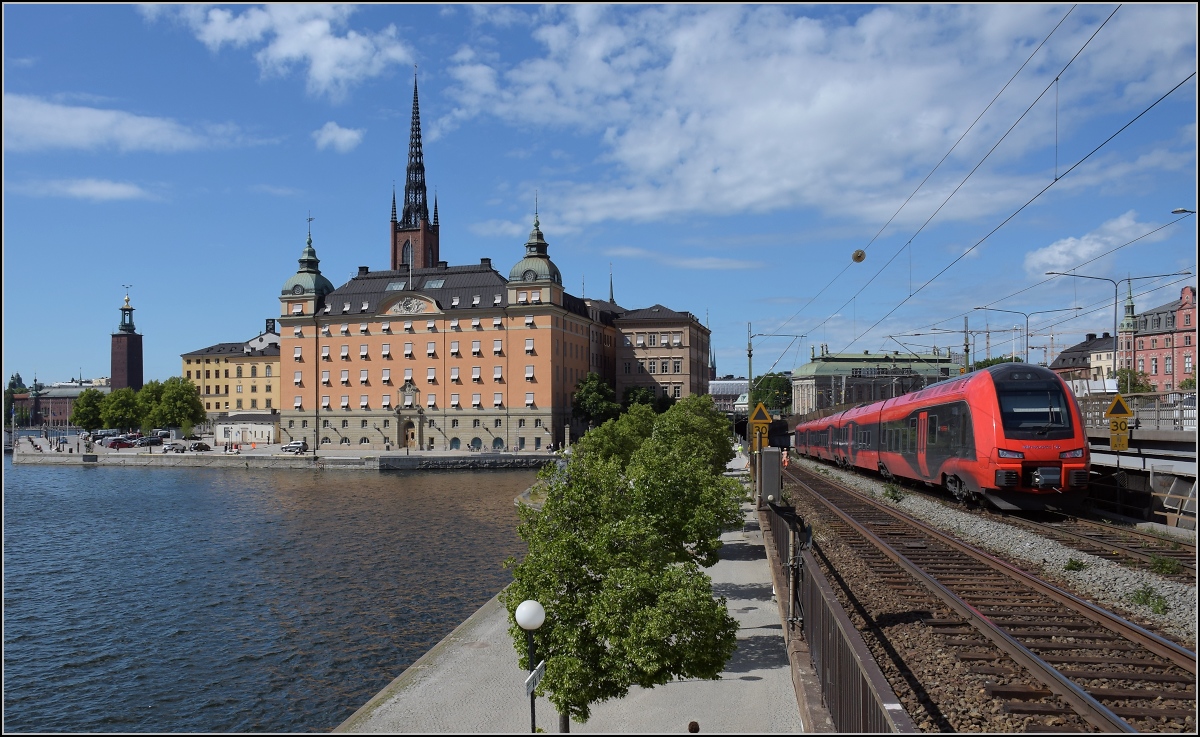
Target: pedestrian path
x,y
470,682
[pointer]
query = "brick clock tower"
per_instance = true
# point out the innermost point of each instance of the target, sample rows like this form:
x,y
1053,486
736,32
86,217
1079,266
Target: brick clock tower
x,y
126,353
414,239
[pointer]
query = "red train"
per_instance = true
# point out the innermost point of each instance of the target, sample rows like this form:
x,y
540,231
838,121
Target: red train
x,y
1010,433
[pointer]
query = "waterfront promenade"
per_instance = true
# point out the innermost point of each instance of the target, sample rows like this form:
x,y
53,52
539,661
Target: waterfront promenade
x,y
470,681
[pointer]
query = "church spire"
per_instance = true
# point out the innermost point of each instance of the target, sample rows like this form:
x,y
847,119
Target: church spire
x,y
416,204
393,202
435,212
610,285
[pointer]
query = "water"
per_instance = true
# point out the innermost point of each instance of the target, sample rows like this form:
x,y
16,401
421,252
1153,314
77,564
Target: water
x,y
212,600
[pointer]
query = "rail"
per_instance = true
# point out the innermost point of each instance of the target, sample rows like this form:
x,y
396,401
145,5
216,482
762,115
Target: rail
x,y
1161,411
854,689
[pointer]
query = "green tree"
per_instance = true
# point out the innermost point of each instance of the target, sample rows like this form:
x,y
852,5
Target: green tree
x,y
120,410
696,424
614,557
594,401
148,399
773,390
621,437
994,361
1187,384
638,395
87,411
179,405
1133,382
15,386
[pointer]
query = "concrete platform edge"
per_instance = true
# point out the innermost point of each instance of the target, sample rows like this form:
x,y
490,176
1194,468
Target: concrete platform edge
x,y
414,672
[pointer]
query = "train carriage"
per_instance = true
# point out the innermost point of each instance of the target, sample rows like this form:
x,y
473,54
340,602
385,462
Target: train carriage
x,y
1011,434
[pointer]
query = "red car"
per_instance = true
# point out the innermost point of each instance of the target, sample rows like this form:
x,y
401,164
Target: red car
x,y
118,443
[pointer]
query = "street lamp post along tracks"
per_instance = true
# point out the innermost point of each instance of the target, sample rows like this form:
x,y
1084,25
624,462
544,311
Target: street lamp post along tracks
x,y
1117,295
1027,314
530,615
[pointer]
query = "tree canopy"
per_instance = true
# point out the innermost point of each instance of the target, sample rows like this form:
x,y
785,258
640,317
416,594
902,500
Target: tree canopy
x,y
1133,382
120,409
773,390
616,556
594,401
87,410
647,396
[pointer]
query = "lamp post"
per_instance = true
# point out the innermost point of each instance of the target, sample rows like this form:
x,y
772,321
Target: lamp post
x,y
1117,295
529,616
1027,314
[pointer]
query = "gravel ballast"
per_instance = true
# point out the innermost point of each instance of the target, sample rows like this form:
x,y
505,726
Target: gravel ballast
x,y
1102,581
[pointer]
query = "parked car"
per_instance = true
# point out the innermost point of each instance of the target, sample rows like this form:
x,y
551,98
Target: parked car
x,y
200,447
193,436
296,446
149,440
118,443
170,447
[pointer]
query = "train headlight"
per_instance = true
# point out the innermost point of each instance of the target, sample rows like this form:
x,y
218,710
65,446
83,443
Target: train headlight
x,y
1077,453
1010,453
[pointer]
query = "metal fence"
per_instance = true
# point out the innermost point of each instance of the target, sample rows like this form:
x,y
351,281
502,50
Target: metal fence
x,y
858,697
1162,411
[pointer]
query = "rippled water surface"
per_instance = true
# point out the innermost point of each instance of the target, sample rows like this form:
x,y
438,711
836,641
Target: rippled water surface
x,y
205,600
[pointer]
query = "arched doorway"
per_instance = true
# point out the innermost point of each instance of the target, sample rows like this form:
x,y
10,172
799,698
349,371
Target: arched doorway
x,y
497,443
455,444
409,434
476,443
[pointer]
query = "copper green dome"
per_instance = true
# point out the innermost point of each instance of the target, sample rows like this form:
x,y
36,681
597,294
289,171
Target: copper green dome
x,y
308,280
536,266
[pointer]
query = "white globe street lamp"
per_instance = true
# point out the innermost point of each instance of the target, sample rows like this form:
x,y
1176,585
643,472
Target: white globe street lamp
x,y
529,616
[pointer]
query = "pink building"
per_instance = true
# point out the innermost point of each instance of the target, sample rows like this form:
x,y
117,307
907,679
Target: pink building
x,y
1160,342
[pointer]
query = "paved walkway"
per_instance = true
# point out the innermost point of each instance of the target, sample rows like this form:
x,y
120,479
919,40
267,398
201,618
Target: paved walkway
x,y
470,681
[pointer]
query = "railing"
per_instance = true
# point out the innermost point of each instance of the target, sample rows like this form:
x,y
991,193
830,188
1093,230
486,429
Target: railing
x,y
855,691
1161,411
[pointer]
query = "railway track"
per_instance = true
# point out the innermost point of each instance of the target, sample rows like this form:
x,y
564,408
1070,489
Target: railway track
x,y
1044,652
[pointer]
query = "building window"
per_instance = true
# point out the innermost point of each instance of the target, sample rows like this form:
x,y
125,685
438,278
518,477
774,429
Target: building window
x,y
291,423
529,373
497,346
297,355
324,378
268,406
475,349
1141,365
386,351
345,353
1187,363
475,374
303,423
453,423
345,403
641,367
362,351
387,424
497,423
678,391
431,375
430,348
497,400
529,399
627,367
1167,364
653,365
678,366
346,378
325,423
239,371
1154,366
362,423
1187,318
529,345
1141,345
387,376
454,347
520,423
1154,342
663,366
454,374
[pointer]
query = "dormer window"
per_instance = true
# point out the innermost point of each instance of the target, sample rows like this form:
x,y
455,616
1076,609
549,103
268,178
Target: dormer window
x,y
327,308
475,301
454,301
345,307
496,299
364,307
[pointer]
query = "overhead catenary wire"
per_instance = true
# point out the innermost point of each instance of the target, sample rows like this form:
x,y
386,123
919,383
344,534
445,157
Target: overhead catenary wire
x,y
918,188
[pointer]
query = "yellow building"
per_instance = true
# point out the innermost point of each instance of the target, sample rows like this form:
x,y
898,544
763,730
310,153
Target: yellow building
x,y
239,379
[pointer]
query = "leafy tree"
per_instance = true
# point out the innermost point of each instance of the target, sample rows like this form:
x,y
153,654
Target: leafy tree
x,y
1133,382
1187,384
621,437
616,556
15,386
148,399
773,390
87,411
594,401
120,410
995,361
179,405
638,395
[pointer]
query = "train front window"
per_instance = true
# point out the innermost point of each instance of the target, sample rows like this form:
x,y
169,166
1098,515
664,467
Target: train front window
x,y
1034,413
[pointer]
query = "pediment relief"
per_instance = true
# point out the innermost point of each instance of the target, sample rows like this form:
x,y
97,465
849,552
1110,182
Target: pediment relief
x,y
411,305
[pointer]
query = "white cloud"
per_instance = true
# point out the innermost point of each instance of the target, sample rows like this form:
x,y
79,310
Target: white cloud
x,y
1067,253
96,190
31,124
758,108
340,139
310,35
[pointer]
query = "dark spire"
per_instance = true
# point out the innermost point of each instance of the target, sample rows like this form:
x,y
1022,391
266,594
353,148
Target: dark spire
x,y
416,205
435,213
393,202
610,286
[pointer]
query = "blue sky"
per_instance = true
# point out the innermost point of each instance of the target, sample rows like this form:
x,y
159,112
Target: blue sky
x,y
725,160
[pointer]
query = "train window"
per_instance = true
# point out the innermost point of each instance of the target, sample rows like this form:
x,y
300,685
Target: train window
x,y
1039,411
931,429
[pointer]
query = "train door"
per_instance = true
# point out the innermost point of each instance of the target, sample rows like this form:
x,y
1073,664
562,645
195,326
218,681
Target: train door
x,y
922,443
